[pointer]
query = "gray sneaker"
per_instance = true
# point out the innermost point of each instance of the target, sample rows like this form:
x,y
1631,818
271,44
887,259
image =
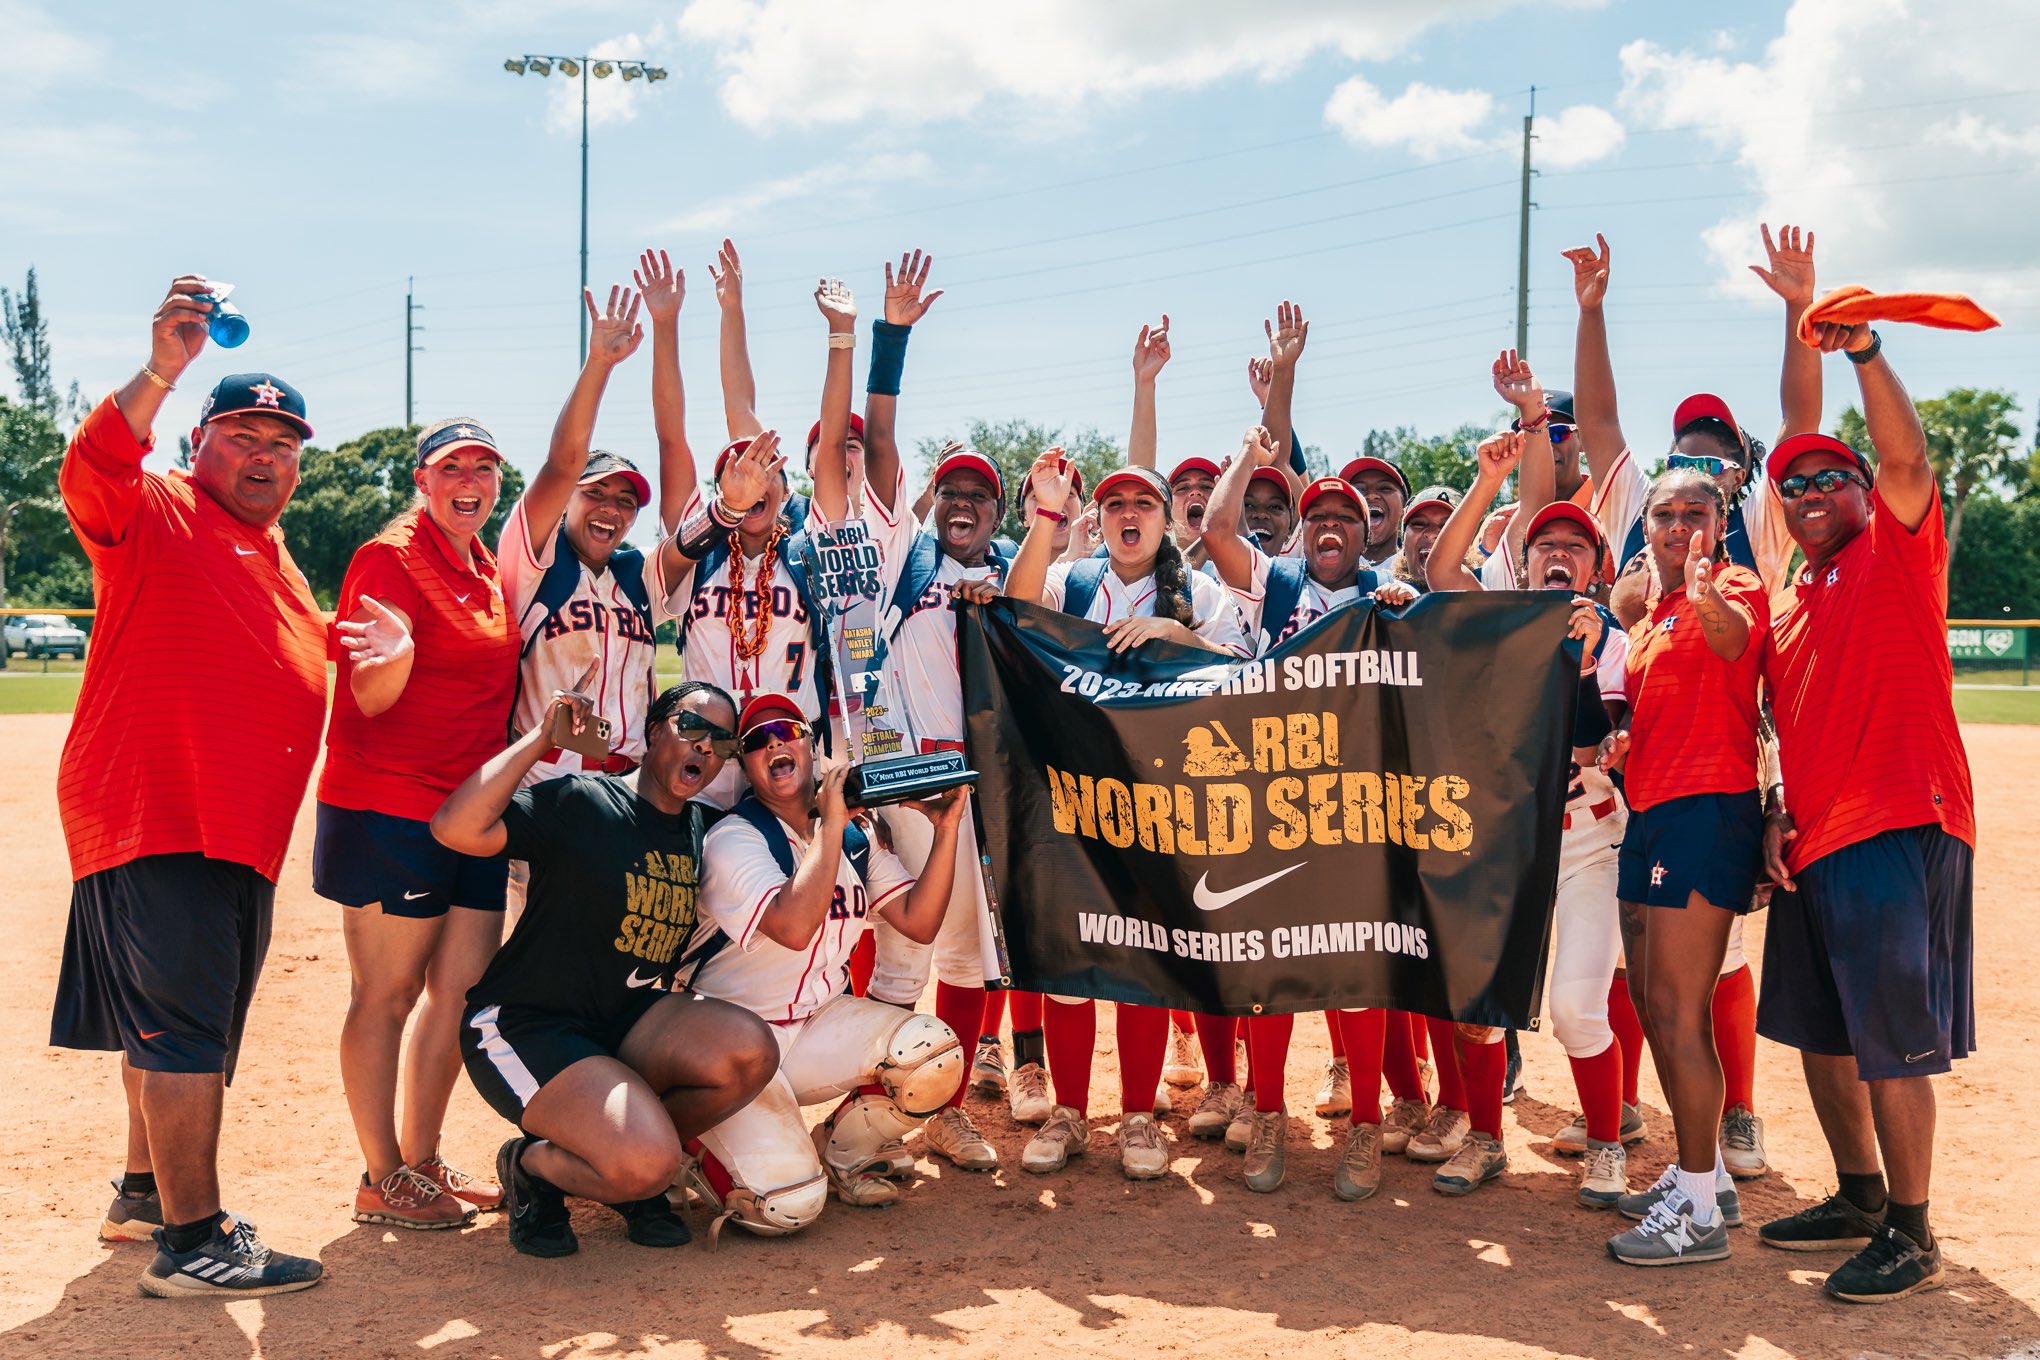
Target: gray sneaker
x,y
1742,1144
131,1218
1571,1141
1726,1201
1668,1236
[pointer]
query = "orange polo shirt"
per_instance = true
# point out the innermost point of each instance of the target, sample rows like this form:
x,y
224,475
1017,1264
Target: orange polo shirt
x,y
198,719
1694,728
454,712
1862,692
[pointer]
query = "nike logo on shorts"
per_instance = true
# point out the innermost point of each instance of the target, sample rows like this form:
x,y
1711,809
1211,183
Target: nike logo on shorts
x,y
152,1034
414,896
1207,900
1916,1057
635,981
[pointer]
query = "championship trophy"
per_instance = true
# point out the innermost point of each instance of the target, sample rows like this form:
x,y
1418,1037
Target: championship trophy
x,y
843,580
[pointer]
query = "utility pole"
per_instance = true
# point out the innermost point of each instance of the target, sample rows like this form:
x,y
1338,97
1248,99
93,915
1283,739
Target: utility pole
x,y
580,307
1523,239
410,328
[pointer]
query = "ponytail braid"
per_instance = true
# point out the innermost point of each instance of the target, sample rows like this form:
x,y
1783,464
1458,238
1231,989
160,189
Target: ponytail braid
x,y
1172,584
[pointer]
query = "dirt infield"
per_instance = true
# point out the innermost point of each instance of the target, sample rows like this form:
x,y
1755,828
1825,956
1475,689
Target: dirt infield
x,y
1083,1263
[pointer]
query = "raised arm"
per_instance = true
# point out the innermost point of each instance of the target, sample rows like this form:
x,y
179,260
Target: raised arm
x,y
1224,545
1904,477
1286,335
739,387
1150,353
800,908
918,912
832,489
1536,468
470,821
1593,373
1027,578
904,305
1791,278
613,336
1447,570
663,288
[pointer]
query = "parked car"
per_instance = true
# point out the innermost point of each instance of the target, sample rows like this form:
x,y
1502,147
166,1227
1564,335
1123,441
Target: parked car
x,y
41,635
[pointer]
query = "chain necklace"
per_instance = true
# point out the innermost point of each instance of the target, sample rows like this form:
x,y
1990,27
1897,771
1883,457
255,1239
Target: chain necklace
x,y
761,618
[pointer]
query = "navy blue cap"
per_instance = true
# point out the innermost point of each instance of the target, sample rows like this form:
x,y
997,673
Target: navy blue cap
x,y
447,437
261,394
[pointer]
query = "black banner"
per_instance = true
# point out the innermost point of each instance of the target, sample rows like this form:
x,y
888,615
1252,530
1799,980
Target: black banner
x,y
1367,816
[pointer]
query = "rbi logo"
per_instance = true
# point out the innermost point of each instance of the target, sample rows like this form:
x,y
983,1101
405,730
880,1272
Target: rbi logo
x,y
1213,754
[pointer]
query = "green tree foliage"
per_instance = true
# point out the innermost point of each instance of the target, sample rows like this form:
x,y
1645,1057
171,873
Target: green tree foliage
x,y
1996,572
27,333
33,535
1971,442
1013,445
346,495
1428,460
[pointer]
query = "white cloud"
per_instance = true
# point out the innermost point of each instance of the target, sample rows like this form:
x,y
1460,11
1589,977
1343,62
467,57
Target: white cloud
x,y
610,100
1878,123
724,215
801,63
1428,121
40,53
1577,136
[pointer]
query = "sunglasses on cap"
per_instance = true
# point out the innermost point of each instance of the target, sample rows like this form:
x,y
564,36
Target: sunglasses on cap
x,y
782,730
1829,480
695,728
1708,463
1560,431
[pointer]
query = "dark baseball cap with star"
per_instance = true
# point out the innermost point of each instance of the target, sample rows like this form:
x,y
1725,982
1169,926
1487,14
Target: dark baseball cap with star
x,y
255,394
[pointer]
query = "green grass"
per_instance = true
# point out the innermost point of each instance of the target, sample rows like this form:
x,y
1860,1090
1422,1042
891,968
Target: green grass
x,y
1998,705
22,692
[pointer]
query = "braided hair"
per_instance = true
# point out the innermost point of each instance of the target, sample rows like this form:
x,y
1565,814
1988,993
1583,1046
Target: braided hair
x,y
1172,583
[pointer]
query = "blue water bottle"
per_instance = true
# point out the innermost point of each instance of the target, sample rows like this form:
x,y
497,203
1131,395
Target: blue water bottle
x,y
228,328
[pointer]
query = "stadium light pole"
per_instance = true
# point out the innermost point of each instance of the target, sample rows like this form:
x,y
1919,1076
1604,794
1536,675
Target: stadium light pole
x,y
571,67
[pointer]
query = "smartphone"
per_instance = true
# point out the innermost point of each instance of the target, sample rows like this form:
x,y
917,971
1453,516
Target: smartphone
x,y
593,740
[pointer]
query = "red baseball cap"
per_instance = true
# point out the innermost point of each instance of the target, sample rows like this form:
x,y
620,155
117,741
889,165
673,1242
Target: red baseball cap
x,y
970,460
729,451
1559,510
1325,486
1368,463
1799,445
603,464
814,433
1274,477
1193,464
1147,477
765,707
1705,406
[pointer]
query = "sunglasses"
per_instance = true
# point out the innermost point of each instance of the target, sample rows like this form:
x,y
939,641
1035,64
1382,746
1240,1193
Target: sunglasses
x,y
695,728
1560,432
1702,462
1829,480
783,730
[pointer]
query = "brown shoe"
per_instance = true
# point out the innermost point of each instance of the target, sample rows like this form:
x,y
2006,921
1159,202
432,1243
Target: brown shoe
x,y
409,1199
484,1194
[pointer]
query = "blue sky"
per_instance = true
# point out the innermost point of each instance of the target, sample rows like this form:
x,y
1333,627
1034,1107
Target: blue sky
x,y
1076,170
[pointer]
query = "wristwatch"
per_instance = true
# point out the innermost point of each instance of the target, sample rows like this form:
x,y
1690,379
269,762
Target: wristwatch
x,y
1868,352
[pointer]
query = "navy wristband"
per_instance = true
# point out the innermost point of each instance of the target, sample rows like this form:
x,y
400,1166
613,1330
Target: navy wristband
x,y
888,357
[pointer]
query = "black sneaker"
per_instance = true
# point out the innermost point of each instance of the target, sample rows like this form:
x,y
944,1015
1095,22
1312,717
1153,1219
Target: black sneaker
x,y
1891,1267
534,1208
1832,1224
652,1223
231,1264
1512,1079
131,1218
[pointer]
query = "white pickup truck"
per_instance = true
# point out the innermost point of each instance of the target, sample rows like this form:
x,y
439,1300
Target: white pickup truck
x,y
42,635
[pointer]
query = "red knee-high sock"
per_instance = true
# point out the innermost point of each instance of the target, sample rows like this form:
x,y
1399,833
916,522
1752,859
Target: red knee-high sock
x,y
1451,1083
1071,1032
1338,1039
1399,1056
1025,1008
1735,1037
1143,1044
1268,1048
1482,1070
1215,1035
1184,1020
963,1010
714,1172
1420,1036
1362,1033
863,958
1628,1029
994,1014
1599,1082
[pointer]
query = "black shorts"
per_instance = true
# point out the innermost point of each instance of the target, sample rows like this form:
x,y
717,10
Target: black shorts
x,y
1709,843
1871,958
359,858
511,1052
160,961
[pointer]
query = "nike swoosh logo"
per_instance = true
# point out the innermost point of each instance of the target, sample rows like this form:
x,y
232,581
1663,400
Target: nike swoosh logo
x,y
240,551
460,599
1910,1057
1207,900
635,981
412,897
155,1034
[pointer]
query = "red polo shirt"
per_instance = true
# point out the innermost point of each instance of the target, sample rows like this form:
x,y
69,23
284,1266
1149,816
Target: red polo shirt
x,y
1695,724
454,712
1863,692
198,719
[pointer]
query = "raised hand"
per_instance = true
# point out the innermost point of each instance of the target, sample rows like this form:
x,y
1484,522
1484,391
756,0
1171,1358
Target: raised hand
x,y
1050,478
1498,455
727,273
576,701
1260,372
944,809
613,331
1286,336
1590,272
833,297
748,476
376,641
1517,385
1587,625
1258,445
1151,351
1791,273
178,330
904,302
660,285
1829,336
1699,566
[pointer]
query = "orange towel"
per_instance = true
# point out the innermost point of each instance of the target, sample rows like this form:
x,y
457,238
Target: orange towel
x,y
1854,305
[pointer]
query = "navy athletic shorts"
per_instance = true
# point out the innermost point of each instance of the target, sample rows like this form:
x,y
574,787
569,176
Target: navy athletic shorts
x,y
1709,843
359,858
160,962
1871,958
511,1052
